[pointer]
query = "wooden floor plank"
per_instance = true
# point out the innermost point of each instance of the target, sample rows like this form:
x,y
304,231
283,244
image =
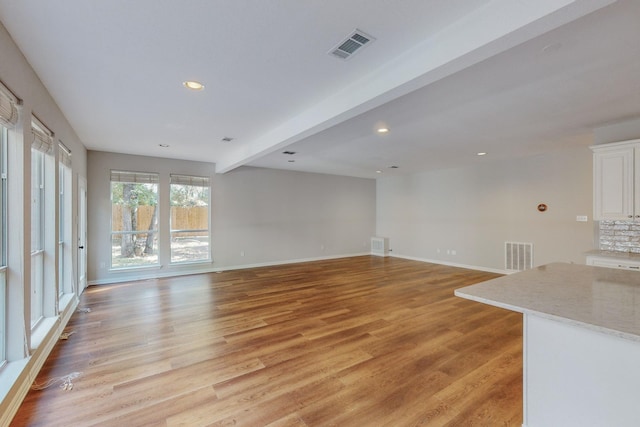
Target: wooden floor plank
x,y
363,341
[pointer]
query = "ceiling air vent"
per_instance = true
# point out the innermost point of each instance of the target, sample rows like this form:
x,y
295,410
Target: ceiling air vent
x,y
352,44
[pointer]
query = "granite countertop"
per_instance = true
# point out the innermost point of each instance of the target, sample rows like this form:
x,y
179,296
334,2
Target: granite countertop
x,y
606,300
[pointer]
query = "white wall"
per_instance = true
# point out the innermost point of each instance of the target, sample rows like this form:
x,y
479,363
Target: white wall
x,y
475,210
271,216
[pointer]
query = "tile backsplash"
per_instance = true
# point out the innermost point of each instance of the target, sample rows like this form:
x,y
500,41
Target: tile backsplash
x,y
620,236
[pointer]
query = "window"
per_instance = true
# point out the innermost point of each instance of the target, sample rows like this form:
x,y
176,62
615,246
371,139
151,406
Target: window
x,y
37,235
65,281
41,193
134,219
189,219
8,119
3,241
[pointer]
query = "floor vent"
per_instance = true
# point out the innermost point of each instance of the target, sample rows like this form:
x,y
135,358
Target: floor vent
x,y
518,256
380,246
349,46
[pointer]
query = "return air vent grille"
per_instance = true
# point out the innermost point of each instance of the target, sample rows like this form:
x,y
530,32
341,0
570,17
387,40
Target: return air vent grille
x,y
518,256
380,246
352,44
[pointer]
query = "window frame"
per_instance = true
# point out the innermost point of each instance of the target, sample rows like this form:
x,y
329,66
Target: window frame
x,y
65,229
4,136
38,198
142,178
195,181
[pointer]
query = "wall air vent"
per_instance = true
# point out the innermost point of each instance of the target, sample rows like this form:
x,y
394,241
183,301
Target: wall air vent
x,y
518,256
352,44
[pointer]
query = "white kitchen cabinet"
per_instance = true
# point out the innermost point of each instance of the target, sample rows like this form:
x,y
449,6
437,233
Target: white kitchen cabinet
x,y
616,181
613,262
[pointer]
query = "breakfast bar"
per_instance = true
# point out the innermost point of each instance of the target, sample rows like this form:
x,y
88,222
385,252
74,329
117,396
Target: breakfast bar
x,y
581,344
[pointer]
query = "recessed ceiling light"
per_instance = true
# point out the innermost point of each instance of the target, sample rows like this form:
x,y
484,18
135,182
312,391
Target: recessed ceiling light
x,y
290,153
163,145
193,85
227,139
383,130
378,171
394,167
482,153
291,161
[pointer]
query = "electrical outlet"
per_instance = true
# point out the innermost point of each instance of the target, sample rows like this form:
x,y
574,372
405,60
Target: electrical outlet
x,y
241,253
581,218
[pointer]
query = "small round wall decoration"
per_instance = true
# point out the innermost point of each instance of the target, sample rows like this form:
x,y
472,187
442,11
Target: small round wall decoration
x,y
542,207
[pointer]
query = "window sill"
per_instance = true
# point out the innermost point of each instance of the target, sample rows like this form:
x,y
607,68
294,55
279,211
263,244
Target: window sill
x,y
134,268
9,375
64,302
40,332
198,262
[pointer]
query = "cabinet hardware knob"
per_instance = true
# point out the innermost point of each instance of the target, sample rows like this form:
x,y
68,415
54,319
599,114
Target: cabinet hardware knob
x,y
629,216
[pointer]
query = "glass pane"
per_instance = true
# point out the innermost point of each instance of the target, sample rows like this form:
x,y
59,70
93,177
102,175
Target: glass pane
x,y
61,207
37,287
3,242
134,249
37,230
134,224
189,222
3,197
37,170
189,246
65,282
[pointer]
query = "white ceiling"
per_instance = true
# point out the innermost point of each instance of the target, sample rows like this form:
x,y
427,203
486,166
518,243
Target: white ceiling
x,y
448,77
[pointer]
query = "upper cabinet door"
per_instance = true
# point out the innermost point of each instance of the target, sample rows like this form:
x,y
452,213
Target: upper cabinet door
x,y
613,174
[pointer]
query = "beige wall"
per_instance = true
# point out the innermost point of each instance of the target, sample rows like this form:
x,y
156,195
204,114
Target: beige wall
x,y
475,210
19,77
259,216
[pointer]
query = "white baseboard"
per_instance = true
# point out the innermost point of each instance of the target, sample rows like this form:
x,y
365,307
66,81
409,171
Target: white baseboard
x,y
453,264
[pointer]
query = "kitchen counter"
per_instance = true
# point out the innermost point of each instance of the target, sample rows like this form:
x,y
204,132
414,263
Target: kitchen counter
x,y
602,299
581,342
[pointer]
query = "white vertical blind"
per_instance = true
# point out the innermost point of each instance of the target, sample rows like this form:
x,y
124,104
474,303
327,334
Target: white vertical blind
x,y
8,107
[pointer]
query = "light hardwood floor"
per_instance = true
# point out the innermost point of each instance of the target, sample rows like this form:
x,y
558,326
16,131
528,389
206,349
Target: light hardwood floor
x,y
364,341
